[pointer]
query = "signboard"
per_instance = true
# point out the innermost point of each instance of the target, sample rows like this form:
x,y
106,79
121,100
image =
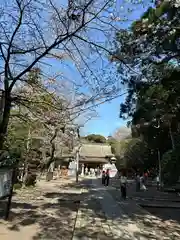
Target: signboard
x,y
72,168
5,182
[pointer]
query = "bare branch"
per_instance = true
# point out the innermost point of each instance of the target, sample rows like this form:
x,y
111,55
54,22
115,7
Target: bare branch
x,y
106,50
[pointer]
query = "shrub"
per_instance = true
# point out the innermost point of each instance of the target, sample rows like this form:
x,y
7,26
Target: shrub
x,y
17,185
171,166
30,180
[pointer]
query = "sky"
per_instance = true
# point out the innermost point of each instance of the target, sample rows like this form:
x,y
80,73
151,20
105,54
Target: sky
x,y
108,119
108,113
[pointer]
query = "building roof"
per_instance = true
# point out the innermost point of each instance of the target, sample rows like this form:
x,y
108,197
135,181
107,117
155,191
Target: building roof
x,y
93,160
95,150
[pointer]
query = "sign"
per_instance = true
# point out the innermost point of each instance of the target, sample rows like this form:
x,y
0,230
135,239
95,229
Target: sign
x,y
5,182
72,168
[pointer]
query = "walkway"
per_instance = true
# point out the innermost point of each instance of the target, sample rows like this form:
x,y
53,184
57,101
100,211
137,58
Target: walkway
x,y
65,210
45,212
102,217
150,198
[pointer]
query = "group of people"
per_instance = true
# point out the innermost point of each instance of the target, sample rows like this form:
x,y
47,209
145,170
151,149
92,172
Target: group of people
x,y
123,180
92,171
141,182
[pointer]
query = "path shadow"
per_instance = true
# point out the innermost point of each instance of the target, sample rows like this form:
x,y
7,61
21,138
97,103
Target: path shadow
x,y
140,221
57,214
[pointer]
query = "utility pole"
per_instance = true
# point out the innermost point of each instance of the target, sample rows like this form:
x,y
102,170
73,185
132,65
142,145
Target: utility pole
x,y
77,165
77,154
171,135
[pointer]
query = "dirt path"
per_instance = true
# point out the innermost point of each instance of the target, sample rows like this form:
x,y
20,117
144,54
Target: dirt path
x,y
46,212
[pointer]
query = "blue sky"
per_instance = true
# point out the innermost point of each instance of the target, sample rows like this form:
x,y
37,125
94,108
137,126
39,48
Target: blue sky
x,y
108,113
108,119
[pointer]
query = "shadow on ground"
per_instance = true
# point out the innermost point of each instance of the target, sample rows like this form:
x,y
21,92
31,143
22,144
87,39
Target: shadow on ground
x,y
55,214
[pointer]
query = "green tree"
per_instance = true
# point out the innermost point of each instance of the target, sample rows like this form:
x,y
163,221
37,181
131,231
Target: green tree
x,y
96,138
130,153
150,47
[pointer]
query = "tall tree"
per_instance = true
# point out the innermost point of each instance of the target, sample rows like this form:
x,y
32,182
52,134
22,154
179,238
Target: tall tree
x,y
151,48
33,31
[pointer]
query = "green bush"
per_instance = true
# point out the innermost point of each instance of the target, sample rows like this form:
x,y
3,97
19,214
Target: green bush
x,y
30,180
17,186
171,166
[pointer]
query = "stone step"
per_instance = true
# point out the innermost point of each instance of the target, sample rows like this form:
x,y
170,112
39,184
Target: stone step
x,y
157,205
158,199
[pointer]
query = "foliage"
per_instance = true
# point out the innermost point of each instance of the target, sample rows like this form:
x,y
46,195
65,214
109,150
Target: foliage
x,y
130,153
36,121
151,48
32,32
134,154
111,140
153,40
17,186
122,133
171,166
96,138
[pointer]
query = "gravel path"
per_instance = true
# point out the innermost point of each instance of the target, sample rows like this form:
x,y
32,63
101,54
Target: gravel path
x,y
46,212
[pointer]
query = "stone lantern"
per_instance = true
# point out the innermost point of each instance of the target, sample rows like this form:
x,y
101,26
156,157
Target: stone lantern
x,y
112,160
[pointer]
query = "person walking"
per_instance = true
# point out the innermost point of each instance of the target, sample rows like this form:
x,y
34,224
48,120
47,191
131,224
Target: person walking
x,y
142,183
145,178
96,172
86,171
158,182
123,186
103,177
138,183
107,177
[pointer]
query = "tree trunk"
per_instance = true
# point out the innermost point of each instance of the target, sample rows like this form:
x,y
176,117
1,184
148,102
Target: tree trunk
x,y
50,163
25,174
5,119
171,136
10,195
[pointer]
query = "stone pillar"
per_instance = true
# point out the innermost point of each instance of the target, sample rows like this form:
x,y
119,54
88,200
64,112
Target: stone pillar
x,y
82,170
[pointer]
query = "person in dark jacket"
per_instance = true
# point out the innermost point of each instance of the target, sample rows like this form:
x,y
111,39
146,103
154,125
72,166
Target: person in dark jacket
x,y
123,186
103,177
138,184
107,177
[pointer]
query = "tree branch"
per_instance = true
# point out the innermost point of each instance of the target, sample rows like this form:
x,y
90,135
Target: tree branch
x,y
106,50
54,44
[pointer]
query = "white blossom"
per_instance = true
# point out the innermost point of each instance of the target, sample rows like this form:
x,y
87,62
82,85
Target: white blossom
x,y
177,3
145,20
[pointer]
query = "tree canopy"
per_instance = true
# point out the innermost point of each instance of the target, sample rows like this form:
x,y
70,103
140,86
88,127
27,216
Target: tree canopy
x,y
96,138
151,48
